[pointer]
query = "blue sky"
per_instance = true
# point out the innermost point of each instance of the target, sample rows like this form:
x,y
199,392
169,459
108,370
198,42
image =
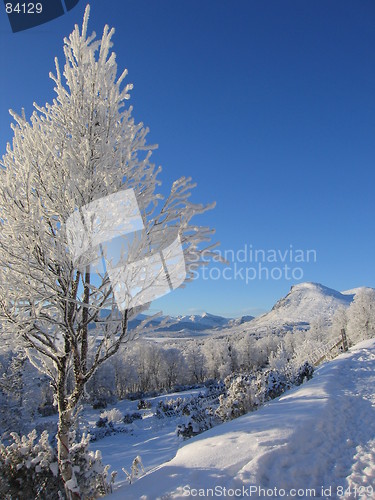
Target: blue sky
x,y
269,106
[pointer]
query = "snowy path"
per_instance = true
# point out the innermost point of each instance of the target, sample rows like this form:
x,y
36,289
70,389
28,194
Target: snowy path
x,y
321,435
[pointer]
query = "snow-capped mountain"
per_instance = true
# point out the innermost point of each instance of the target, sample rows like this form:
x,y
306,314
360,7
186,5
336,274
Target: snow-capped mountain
x,y
200,322
308,301
304,304
190,324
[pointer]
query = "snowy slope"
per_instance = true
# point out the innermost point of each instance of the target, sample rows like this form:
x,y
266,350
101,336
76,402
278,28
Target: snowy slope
x,y
321,434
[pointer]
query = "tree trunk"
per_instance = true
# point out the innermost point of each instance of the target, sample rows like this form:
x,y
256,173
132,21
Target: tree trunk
x,y
64,427
63,452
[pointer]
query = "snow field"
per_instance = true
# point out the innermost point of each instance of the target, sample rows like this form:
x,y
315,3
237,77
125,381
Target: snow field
x,y
320,435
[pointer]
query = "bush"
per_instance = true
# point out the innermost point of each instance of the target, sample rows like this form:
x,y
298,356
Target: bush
x,y
113,415
91,475
244,394
197,420
305,372
130,417
106,428
144,405
275,384
102,422
170,407
99,404
47,409
29,470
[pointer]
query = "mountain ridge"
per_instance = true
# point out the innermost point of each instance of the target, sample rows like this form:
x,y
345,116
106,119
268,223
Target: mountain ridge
x,y
304,303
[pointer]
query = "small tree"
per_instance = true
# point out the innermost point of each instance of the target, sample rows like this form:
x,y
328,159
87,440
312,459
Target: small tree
x,y
77,150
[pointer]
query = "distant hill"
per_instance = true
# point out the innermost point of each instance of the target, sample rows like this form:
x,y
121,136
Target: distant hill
x,y
191,325
186,325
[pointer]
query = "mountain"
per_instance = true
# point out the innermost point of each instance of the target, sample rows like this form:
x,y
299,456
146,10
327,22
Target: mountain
x,y
241,320
304,304
186,325
197,322
308,301
204,322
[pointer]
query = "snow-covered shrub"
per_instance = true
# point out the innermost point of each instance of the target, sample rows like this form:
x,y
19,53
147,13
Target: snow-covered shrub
x,y
197,413
28,468
278,360
144,405
170,407
215,388
136,467
130,417
304,373
361,316
105,428
113,415
92,478
197,419
102,422
275,383
241,397
245,393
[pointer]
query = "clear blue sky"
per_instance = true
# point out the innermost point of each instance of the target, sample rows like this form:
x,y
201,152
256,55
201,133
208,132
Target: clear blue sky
x,y
268,105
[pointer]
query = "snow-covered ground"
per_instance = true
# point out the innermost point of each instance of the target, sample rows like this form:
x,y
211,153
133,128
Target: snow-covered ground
x,y
316,440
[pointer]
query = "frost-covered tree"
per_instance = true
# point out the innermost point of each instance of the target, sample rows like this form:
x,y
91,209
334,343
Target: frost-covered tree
x,y
279,359
77,150
361,316
173,367
339,321
24,393
147,361
217,359
195,362
247,353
